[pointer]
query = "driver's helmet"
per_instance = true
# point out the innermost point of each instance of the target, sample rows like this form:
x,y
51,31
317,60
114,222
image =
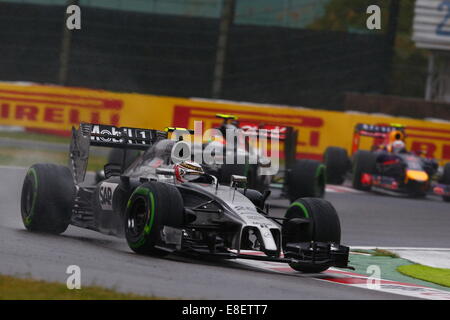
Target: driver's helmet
x,y
398,146
188,171
396,135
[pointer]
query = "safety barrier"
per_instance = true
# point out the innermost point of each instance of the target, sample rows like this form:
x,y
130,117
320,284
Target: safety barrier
x,y
56,109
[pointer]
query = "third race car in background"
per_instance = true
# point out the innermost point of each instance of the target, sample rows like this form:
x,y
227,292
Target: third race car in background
x,y
388,166
296,177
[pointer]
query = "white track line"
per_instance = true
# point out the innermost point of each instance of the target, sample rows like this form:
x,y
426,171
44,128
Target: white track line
x,y
352,279
341,189
398,248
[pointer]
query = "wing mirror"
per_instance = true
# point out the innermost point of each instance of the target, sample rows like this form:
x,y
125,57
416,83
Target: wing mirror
x,y
235,179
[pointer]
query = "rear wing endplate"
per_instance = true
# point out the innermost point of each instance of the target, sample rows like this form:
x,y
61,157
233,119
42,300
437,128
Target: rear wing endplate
x,y
106,136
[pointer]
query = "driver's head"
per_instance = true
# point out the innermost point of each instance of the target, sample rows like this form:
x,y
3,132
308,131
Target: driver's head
x,y
188,171
398,146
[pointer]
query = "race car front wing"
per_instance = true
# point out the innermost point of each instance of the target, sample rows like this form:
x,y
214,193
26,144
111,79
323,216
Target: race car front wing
x,y
306,254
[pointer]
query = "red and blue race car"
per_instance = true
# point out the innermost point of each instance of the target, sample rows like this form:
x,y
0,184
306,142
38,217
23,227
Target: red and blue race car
x,y
388,166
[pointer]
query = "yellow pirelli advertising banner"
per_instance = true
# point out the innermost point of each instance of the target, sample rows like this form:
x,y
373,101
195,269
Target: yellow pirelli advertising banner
x,y
56,109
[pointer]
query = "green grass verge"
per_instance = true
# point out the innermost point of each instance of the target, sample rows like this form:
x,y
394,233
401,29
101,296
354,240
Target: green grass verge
x,y
12,288
34,137
430,274
361,251
376,252
25,158
384,253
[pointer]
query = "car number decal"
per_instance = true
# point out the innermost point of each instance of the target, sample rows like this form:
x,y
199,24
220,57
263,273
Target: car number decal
x,y
106,195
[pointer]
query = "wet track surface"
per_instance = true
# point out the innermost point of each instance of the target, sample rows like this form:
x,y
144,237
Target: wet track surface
x,y
366,219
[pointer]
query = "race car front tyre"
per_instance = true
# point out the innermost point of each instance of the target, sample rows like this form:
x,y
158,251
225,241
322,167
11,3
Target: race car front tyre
x,y
321,224
152,206
446,179
337,163
306,179
363,163
47,198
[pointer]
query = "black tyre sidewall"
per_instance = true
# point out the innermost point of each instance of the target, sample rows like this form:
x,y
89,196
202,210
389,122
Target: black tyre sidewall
x,y
306,179
337,163
363,162
324,225
167,205
53,191
446,179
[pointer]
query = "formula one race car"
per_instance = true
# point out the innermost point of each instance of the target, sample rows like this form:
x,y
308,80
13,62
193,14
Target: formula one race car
x,y
162,207
388,167
297,178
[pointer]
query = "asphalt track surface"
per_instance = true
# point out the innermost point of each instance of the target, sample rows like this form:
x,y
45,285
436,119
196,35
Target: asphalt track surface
x,y
366,219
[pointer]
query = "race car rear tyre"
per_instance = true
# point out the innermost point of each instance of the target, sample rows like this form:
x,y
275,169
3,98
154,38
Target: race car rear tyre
x,y
446,179
306,179
337,163
47,197
152,206
322,225
363,162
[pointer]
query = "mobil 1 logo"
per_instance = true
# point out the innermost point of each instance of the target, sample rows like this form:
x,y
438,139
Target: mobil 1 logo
x,y
106,195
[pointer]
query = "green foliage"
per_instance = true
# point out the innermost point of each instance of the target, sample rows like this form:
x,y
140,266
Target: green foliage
x,y
12,288
384,253
430,274
349,15
409,64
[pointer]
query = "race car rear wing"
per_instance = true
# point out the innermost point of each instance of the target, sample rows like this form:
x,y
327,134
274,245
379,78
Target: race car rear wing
x,y
377,131
287,135
106,136
374,131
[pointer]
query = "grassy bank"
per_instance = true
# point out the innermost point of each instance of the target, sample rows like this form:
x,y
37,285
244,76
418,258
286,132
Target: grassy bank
x,y
430,274
34,136
12,288
25,155
24,158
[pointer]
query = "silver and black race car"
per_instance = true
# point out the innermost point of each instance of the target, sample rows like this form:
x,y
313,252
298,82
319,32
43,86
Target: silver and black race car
x,y
163,207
